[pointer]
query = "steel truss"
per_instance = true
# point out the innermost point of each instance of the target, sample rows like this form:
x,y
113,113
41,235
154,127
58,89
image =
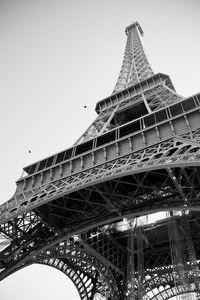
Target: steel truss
x,y
129,163
177,152
135,66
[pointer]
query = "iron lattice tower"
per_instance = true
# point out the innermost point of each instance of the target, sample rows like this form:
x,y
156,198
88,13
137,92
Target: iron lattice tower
x,y
82,210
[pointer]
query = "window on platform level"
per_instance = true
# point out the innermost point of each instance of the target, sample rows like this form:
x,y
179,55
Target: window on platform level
x,y
176,109
161,116
188,104
49,161
106,138
149,120
84,147
130,128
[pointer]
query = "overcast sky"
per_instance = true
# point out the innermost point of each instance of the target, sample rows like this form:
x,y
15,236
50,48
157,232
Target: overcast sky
x,y
57,56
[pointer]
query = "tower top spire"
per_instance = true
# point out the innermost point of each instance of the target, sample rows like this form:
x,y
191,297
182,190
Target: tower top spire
x,y
135,67
134,24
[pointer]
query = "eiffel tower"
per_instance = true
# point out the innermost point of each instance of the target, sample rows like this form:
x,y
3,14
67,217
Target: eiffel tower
x,y
85,210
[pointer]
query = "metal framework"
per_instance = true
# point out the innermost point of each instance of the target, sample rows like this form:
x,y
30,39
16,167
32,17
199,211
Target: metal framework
x,y
80,210
135,66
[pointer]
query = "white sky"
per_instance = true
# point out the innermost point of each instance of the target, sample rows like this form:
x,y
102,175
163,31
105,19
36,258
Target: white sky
x,y
57,56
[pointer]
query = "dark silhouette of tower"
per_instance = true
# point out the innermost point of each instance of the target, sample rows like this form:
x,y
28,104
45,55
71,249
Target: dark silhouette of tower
x,y
85,210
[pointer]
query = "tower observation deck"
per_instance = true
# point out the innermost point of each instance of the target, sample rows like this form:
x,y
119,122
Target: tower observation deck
x,y
86,210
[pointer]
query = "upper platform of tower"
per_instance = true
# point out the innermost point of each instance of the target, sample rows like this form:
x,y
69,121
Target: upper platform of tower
x,y
133,25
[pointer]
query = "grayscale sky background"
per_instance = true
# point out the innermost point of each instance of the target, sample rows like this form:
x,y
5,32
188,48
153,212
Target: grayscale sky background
x,y
57,56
